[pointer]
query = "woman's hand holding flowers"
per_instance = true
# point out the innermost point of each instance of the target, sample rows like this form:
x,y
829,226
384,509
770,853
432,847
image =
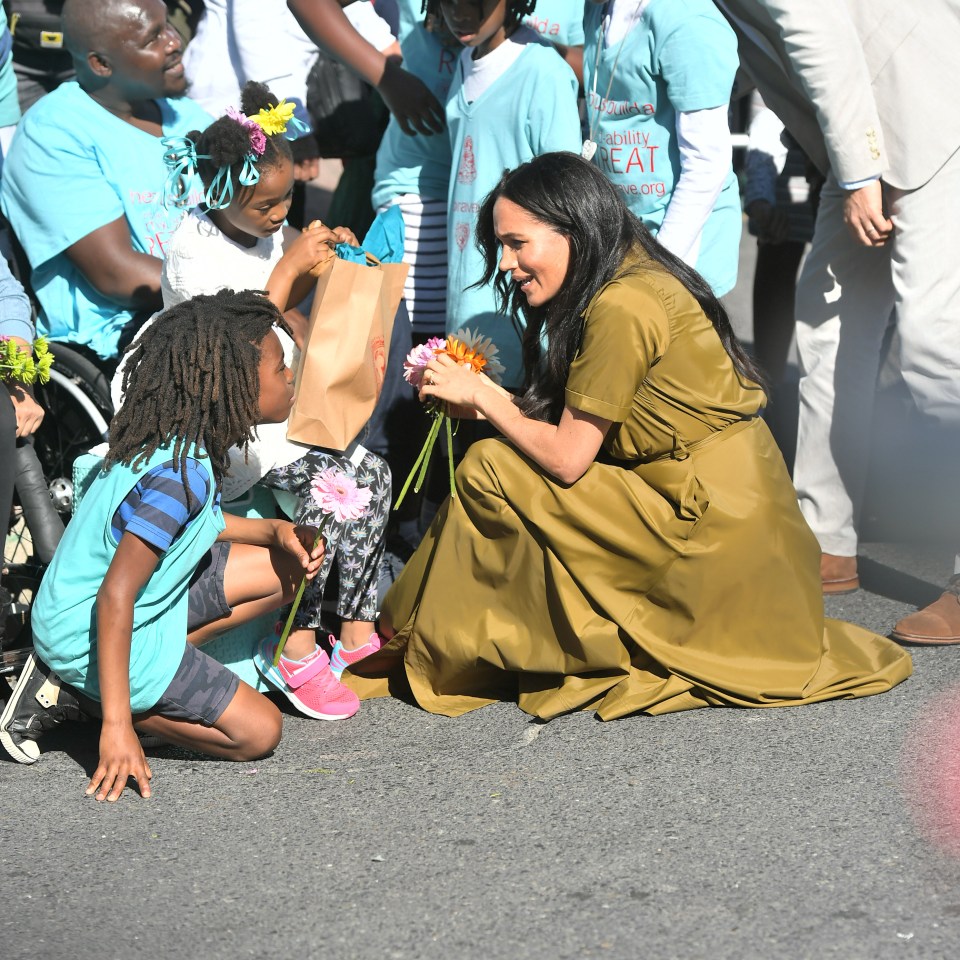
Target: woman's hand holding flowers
x,y
456,384
449,377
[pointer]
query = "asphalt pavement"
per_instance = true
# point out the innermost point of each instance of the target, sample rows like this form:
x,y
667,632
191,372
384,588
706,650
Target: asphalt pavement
x,y
830,830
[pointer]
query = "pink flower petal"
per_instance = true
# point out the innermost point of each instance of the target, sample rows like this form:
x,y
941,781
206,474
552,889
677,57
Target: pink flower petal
x,y
338,495
418,358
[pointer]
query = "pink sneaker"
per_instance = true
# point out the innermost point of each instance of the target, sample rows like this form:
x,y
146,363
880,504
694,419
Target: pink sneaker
x,y
340,659
309,684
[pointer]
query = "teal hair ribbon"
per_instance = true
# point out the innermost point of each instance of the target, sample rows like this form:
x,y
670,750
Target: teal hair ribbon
x,y
220,192
295,128
249,174
180,157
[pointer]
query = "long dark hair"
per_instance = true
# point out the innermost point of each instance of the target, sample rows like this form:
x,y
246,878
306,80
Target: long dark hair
x,y
573,197
192,378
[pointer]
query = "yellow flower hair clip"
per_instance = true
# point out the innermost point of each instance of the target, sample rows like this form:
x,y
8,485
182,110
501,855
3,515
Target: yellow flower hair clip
x,y
274,120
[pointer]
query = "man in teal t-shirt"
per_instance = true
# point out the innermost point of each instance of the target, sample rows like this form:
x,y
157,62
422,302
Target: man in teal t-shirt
x,y
83,180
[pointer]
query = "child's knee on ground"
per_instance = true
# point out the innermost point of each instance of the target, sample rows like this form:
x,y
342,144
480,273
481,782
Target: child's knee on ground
x,y
253,722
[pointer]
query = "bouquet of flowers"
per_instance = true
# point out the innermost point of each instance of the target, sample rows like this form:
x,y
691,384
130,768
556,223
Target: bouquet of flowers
x,y
467,348
338,496
25,365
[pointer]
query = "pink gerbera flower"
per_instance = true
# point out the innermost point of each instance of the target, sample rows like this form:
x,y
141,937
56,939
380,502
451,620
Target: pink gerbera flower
x,y
418,358
338,495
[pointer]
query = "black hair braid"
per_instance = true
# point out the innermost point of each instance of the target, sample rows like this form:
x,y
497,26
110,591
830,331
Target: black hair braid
x,y
516,12
192,379
227,143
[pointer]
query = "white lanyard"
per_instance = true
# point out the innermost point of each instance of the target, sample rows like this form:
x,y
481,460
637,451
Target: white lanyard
x,y
589,147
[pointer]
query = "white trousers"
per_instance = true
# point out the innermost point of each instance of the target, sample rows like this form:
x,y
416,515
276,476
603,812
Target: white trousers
x,y
846,295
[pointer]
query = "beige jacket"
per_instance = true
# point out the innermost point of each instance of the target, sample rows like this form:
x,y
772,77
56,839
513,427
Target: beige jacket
x,y
866,86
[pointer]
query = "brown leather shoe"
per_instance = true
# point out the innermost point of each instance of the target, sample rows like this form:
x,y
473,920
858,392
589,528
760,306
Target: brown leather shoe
x,y
838,574
937,624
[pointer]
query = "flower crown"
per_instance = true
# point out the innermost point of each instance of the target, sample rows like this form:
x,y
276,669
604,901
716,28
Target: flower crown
x,y
180,156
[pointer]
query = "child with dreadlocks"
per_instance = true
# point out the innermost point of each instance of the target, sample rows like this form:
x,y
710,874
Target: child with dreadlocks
x,y
150,567
235,240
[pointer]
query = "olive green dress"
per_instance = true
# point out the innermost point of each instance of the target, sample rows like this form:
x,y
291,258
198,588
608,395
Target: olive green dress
x,y
676,573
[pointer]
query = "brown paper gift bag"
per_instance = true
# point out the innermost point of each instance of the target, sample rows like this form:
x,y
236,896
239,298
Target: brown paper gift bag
x,y
345,353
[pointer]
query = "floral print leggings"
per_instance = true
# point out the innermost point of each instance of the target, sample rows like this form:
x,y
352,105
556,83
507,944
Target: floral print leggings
x,y
355,545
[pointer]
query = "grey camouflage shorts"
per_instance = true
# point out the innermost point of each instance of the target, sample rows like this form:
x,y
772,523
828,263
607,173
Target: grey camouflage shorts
x,y
200,690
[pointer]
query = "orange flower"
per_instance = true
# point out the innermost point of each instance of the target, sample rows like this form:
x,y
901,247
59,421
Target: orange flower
x,y
460,353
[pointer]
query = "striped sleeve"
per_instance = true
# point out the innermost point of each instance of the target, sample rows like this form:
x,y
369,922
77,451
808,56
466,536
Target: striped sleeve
x,y
159,508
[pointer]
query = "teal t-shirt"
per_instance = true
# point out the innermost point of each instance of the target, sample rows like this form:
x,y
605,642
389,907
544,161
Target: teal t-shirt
x,y
9,104
530,109
72,168
418,164
64,613
680,57
558,21
410,14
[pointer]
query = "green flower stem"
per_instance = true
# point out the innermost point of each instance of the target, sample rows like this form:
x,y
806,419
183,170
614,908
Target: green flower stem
x,y
453,489
282,642
421,460
432,439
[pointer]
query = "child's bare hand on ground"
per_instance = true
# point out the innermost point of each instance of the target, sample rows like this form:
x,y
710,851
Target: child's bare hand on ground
x,y
121,757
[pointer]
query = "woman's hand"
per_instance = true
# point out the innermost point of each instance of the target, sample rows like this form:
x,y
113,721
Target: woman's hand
x,y
121,757
456,385
303,543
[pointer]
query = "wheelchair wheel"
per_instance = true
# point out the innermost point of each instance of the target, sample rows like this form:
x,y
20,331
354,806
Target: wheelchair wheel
x,y
78,410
